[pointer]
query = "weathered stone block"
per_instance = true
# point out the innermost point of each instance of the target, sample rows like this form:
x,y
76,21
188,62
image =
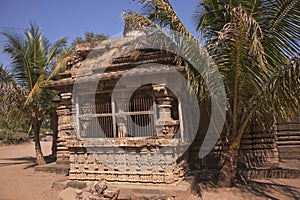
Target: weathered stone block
x,y
100,186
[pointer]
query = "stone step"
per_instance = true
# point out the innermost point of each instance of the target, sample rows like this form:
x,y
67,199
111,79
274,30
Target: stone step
x,y
288,137
290,142
141,196
288,133
135,191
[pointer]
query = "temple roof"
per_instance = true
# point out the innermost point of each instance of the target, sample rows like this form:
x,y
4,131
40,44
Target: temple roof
x,y
110,59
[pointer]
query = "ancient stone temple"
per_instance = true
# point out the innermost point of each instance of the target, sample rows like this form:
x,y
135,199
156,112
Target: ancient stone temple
x,y
101,135
136,131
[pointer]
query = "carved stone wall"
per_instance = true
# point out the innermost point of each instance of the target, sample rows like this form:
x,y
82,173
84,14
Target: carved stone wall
x,y
130,160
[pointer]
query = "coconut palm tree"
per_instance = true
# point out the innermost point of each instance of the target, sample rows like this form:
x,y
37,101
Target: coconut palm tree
x,y
35,61
253,51
252,43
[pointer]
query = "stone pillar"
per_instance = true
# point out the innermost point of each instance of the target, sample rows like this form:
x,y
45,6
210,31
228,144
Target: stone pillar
x,y
164,101
166,126
121,119
65,128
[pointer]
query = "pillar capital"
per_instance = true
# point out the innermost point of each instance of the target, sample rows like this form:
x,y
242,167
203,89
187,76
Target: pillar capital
x,y
166,126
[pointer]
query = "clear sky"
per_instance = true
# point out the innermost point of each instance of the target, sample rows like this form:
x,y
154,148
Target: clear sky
x,y
71,18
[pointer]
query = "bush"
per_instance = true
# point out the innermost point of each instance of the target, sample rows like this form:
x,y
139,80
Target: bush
x,y
10,137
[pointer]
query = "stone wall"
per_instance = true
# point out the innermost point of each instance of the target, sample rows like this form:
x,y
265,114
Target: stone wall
x,y
288,138
66,128
258,149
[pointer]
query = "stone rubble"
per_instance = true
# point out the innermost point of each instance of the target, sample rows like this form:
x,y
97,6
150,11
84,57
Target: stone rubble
x,y
98,191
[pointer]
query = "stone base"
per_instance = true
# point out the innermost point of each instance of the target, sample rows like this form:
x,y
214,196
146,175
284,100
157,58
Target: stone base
x,y
178,190
129,191
138,163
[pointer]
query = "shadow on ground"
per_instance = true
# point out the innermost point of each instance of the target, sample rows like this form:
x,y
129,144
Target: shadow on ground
x,y
266,190
271,189
24,160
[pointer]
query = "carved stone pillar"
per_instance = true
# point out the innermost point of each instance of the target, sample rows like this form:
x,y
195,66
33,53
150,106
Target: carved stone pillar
x,y
166,126
121,119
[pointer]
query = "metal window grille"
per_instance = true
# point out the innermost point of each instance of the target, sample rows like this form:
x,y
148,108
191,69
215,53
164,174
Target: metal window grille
x,y
105,117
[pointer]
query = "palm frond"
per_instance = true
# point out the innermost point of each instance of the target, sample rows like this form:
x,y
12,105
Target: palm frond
x,y
5,76
140,20
281,26
55,49
16,47
239,55
211,15
162,13
279,98
60,63
35,92
38,47
164,37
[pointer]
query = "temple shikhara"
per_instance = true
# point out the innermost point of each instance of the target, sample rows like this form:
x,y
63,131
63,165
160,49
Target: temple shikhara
x,y
131,131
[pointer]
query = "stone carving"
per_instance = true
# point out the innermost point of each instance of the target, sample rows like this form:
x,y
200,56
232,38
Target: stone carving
x,y
167,129
166,126
145,167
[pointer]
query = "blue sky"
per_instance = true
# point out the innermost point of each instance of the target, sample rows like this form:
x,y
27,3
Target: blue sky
x,y
71,18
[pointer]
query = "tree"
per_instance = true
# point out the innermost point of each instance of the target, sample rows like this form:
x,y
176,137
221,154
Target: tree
x,y
253,50
8,85
252,43
89,37
35,61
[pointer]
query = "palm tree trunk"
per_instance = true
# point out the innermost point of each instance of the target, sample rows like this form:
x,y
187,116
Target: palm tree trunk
x,y
228,170
40,160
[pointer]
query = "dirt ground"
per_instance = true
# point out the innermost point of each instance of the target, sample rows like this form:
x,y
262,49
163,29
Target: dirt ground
x,y
18,180
283,189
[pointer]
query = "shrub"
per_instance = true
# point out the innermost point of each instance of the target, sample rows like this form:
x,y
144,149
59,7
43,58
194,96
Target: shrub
x,y
10,137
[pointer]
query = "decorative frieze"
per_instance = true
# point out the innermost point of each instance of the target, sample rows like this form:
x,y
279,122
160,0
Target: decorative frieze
x,y
132,165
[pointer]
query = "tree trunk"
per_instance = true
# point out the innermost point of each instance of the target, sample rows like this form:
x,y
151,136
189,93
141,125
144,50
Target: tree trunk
x,y
53,124
40,160
228,170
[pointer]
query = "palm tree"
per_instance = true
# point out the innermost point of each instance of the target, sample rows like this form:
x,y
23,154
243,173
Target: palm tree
x,y
253,50
252,43
34,62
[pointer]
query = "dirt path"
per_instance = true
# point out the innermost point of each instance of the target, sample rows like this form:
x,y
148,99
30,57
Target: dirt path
x,y
18,180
